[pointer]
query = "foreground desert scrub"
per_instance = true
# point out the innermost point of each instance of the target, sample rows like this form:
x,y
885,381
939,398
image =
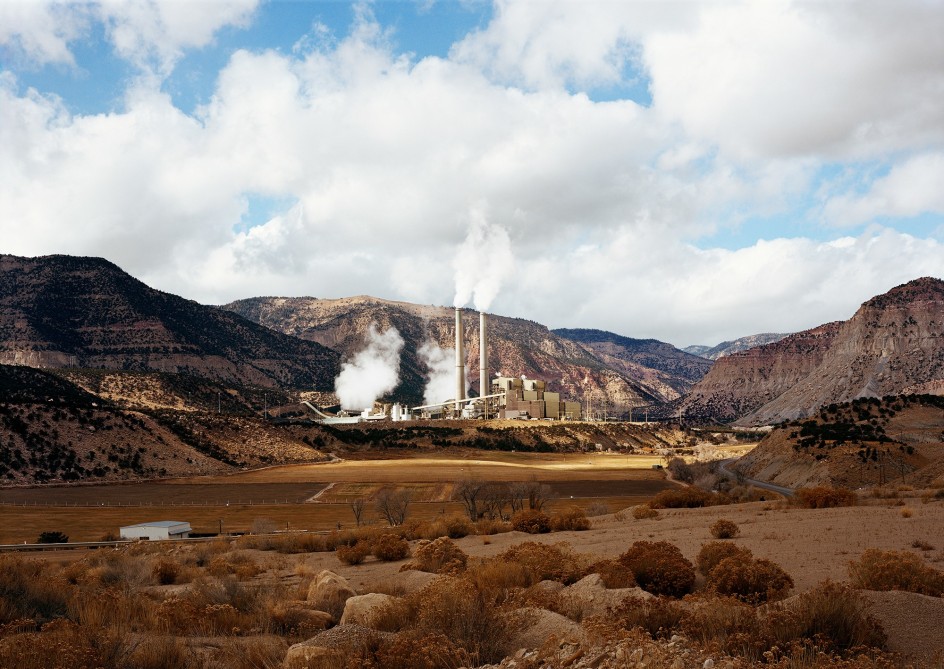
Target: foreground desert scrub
x,y
724,529
440,556
748,579
659,567
896,570
824,497
827,627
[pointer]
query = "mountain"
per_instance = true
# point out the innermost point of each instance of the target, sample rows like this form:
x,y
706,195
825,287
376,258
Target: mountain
x,y
658,366
739,344
865,442
62,311
893,344
516,347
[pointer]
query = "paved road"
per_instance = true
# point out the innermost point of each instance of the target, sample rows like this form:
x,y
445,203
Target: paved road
x,y
723,468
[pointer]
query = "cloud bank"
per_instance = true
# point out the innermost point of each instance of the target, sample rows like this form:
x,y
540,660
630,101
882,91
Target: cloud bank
x,y
773,181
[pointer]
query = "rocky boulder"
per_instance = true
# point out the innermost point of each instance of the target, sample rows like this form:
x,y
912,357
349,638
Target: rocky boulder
x,y
329,592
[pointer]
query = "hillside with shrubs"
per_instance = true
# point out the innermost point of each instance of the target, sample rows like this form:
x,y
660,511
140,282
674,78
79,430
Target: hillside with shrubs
x,y
866,442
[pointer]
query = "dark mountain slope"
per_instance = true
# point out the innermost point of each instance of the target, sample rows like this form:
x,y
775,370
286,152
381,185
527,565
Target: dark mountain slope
x,y
59,311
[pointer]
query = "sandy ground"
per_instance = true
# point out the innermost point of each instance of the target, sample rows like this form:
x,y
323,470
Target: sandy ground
x,y
812,545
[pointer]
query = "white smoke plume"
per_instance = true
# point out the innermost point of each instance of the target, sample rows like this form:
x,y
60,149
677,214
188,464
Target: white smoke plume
x,y
374,371
482,263
441,377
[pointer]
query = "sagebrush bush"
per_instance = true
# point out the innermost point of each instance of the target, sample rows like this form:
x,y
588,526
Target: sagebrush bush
x,y
29,590
644,511
354,554
713,552
660,568
390,547
687,497
613,573
754,581
824,497
658,616
547,562
531,521
724,529
571,520
896,570
165,571
414,650
597,509
440,556
834,616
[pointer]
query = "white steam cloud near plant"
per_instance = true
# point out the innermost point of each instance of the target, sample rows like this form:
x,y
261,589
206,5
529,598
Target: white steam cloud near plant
x,y
482,263
373,371
441,374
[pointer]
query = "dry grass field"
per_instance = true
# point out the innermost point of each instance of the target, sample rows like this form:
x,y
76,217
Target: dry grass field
x,y
234,502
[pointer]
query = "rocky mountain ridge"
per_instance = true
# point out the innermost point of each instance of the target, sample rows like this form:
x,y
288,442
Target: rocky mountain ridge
x,y
516,347
894,342
65,311
734,346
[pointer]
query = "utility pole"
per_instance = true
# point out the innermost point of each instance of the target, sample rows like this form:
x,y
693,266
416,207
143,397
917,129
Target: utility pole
x,y
219,403
265,405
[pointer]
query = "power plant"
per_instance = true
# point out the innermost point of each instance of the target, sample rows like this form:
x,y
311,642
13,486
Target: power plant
x,y
502,397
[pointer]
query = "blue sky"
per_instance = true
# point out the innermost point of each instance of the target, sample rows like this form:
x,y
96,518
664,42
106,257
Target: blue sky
x,y
735,167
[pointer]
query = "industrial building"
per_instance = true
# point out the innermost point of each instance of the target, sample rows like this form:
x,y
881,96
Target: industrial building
x,y
529,398
156,530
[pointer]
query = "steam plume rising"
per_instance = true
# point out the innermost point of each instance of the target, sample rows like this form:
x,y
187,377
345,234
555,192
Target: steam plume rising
x,y
441,375
482,263
375,370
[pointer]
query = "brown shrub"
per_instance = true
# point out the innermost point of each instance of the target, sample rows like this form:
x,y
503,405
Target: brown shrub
x,y
531,521
724,529
165,571
906,512
487,526
753,580
459,611
644,511
597,509
824,497
687,497
440,556
29,591
414,650
390,547
834,616
289,543
498,576
660,568
571,520
353,554
241,566
454,527
713,552
896,570
546,562
660,616
727,623
613,573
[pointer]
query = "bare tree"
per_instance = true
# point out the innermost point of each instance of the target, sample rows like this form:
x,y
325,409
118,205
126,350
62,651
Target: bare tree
x,y
393,505
495,497
517,494
537,494
468,491
358,505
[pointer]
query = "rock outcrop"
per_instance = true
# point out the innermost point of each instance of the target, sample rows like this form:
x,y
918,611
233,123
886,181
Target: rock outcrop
x,y
329,592
893,342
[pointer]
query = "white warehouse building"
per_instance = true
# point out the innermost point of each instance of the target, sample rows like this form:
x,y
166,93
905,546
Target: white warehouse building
x,y
158,529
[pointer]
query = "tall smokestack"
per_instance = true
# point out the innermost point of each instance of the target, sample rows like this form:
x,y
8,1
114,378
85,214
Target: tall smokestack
x,y
460,361
484,388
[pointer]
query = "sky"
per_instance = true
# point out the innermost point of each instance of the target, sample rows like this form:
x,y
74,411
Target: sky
x,y
686,171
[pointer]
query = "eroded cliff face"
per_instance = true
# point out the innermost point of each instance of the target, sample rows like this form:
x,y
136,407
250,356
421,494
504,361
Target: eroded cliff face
x,y
516,346
743,382
894,342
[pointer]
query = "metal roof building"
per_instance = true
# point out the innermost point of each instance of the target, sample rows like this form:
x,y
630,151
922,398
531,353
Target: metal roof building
x,y
158,529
